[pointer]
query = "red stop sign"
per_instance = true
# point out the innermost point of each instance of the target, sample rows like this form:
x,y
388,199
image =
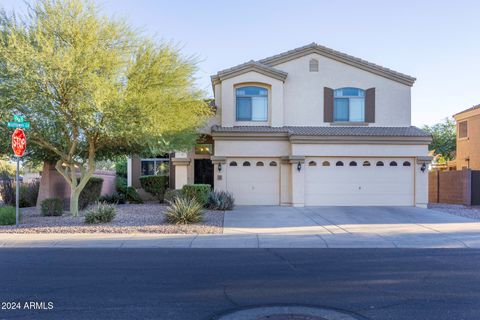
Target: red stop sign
x,y
19,142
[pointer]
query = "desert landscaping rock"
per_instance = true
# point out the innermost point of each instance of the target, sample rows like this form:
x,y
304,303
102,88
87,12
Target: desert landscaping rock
x,y
458,210
130,218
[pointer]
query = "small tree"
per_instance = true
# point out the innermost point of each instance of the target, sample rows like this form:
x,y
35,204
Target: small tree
x,y
444,138
93,89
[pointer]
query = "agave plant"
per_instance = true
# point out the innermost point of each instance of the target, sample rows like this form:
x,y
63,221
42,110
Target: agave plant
x,y
220,200
184,210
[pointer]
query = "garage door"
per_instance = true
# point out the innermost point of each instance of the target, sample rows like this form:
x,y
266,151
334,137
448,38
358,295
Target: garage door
x,y
254,181
349,181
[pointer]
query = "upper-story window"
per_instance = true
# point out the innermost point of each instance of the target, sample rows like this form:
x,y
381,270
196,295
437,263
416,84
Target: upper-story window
x,y
252,104
463,129
349,105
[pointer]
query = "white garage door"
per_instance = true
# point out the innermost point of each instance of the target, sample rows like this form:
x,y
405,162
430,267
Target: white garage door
x,y
254,181
350,182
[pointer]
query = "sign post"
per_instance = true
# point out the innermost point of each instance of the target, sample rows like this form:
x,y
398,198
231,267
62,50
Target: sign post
x,y
19,144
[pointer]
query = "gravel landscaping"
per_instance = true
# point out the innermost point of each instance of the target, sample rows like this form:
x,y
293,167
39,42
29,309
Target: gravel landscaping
x,y
458,210
130,218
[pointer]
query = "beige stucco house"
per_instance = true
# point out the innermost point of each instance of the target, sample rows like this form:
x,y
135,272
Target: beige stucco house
x,y
309,127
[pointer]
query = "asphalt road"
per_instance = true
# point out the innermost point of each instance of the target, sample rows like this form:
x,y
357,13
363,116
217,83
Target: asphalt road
x,y
201,283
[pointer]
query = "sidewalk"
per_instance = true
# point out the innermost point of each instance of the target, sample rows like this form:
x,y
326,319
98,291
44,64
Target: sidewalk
x,y
361,240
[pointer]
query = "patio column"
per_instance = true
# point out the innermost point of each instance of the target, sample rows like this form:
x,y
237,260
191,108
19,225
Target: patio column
x,y
181,163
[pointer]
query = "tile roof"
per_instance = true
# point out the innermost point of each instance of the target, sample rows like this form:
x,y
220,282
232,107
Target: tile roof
x,y
328,131
469,109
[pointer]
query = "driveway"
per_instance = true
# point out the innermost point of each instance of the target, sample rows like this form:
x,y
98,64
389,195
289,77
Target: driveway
x,y
351,227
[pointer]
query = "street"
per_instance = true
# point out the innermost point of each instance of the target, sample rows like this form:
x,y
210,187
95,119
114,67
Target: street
x,y
202,283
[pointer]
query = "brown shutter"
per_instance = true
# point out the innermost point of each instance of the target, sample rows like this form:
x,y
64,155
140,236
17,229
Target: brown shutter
x,y
370,105
327,105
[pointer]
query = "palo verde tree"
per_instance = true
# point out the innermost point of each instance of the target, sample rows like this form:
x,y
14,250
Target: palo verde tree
x,y
444,138
93,89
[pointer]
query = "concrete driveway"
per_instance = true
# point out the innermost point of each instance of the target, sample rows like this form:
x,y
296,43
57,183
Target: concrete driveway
x,y
351,227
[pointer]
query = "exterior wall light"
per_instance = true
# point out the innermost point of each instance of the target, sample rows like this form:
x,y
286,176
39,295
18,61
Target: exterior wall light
x,y
423,168
299,166
219,167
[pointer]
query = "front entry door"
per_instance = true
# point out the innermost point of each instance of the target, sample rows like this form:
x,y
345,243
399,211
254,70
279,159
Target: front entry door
x,y
203,171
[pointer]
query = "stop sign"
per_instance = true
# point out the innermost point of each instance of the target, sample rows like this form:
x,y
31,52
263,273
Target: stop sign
x,y
19,142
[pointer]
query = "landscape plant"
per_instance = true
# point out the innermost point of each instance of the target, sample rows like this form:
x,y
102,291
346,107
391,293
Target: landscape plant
x,y
101,213
93,88
51,207
155,185
7,215
172,194
220,200
184,210
199,192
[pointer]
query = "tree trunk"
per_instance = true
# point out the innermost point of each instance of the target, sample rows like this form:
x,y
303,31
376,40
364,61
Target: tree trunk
x,y
74,196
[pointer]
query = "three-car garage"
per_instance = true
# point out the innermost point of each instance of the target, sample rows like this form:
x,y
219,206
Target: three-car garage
x,y
327,181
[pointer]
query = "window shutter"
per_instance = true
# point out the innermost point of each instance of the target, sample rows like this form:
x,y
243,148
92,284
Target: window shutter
x,y
370,105
327,105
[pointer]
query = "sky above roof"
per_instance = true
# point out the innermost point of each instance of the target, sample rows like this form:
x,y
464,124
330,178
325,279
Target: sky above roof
x,y
436,41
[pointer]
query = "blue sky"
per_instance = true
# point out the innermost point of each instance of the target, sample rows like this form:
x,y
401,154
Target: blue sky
x,y
438,42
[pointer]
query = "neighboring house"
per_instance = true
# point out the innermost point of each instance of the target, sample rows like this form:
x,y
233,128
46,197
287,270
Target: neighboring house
x,y
468,138
311,126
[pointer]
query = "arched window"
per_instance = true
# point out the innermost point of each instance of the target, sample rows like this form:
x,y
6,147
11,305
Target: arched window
x,y
325,164
339,164
233,164
406,164
246,163
349,105
313,65
393,164
366,163
259,164
252,103
352,164
312,164
380,164
273,164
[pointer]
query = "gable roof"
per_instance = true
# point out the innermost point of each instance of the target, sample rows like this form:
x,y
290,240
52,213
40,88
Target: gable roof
x,y
247,67
467,110
272,61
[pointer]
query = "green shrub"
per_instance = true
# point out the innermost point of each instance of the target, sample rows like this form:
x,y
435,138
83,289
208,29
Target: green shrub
x,y
198,192
7,216
101,213
172,194
91,193
184,210
121,167
52,207
155,185
121,185
114,198
220,200
29,193
132,195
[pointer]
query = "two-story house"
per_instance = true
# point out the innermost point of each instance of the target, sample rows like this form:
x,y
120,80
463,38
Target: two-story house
x,y
468,138
311,127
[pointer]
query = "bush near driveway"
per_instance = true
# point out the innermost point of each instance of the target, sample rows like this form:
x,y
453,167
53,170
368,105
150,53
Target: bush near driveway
x,y
101,213
184,210
7,189
172,194
91,193
220,200
7,216
155,185
198,192
52,207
